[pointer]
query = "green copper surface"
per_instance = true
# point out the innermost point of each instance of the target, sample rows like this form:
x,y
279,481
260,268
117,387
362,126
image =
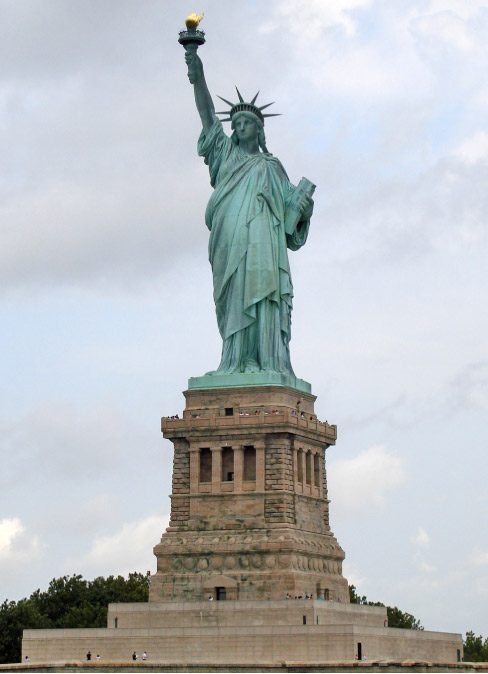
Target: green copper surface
x,y
255,215
239,379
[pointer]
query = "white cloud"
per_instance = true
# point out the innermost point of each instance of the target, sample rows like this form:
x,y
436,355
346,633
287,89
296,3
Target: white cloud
x,y
19,549
354,576
335,48
9,530
308,20
480,558
127,550
424,566
474,149
447,27
360,485
466,9
421,538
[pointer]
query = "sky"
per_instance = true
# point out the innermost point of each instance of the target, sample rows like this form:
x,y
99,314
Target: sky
x,y
106,290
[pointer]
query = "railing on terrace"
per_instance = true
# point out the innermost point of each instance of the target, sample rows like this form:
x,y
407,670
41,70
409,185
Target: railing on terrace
x,y
266,418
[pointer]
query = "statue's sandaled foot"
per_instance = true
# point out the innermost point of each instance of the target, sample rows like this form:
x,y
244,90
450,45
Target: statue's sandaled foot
x,y
251,365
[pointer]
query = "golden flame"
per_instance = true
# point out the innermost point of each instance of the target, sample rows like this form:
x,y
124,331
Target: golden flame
x,y
193,20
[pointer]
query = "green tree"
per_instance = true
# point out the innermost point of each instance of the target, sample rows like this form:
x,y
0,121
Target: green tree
x,y
396,618
475,649
69,601
14,618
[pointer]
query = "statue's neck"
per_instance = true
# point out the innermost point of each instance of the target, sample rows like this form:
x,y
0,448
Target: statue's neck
x,y
249,147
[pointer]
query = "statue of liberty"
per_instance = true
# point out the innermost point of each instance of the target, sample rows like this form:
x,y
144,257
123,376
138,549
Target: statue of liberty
x,y
253,215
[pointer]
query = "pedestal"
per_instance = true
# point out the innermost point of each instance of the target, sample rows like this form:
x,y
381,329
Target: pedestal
x,y
249,508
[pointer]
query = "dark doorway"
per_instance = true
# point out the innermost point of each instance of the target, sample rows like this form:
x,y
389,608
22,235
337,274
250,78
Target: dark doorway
x,y
221,593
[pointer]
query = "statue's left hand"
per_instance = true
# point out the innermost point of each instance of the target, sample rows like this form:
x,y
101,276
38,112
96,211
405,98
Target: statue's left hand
x,y
306,207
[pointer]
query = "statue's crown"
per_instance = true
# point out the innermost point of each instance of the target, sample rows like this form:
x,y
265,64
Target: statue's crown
x,y
243,106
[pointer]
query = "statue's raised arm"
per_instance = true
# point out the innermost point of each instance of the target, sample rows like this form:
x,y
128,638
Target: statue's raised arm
x,y
203,100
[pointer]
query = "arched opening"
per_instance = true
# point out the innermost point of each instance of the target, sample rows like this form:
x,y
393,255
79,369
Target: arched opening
x,y
227,464
249,464
205,465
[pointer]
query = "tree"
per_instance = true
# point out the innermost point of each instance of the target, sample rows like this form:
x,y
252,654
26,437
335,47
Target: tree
x,y
69,601
475,649
396,618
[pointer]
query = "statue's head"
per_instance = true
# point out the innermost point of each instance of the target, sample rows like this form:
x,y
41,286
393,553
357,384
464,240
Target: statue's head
x,y
247,126
251,111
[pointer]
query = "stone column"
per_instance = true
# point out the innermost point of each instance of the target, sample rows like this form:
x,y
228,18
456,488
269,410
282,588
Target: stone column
x,y
304,469
238,467
317,455
260,465
295,468
216,468
194,468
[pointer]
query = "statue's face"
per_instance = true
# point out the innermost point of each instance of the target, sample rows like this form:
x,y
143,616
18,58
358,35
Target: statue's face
x,y
245,128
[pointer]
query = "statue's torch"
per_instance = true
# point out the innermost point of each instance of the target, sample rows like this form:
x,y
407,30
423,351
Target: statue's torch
x,y
191,38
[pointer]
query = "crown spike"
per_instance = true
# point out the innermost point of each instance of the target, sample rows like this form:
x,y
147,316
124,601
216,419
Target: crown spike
x,y
276,114
226,101
242,106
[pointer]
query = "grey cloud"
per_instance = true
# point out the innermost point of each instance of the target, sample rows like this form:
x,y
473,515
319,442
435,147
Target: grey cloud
x,y
59,441
468,390
445,209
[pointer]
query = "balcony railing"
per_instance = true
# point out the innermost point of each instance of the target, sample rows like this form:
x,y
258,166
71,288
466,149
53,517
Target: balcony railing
x,y
264,417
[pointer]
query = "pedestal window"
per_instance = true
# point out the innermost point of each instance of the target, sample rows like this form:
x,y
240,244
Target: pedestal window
x,y
316,470
300,465
308,467
227,464
249,464
205,474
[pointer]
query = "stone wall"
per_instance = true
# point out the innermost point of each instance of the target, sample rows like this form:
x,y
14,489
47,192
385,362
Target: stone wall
x,y
243,632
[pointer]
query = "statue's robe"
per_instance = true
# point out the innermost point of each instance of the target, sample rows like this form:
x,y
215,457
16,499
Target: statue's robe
x,y
248,245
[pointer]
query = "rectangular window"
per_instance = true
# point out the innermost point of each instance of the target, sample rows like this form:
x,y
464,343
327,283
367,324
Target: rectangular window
x,y
316,470
227,464
308,467
300,465
205,465
249,464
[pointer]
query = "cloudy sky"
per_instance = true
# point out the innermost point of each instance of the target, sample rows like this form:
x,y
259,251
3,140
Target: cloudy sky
x,y
106,297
